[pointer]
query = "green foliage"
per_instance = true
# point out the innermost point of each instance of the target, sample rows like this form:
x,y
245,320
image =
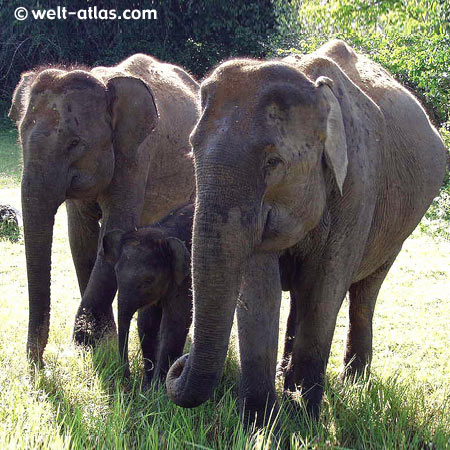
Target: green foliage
x,y
9,230
437,219
10,155
410,38
196,34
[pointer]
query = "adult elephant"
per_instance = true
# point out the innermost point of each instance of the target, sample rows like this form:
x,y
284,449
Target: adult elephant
x,y
114,144
326,159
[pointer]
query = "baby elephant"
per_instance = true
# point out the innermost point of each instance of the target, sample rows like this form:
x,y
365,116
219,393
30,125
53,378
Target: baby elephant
x,y
152,266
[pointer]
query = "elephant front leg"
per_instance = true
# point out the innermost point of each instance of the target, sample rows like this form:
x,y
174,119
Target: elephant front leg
x,y
258,313
84,231
124,319
149,323
316,319
175,323
95,319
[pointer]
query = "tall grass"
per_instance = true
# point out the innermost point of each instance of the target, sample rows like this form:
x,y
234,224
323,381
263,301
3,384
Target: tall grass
x,y
10,155
81,401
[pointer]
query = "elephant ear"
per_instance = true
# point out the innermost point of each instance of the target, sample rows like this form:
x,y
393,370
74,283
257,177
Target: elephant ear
x,y
133,112
335,141
181,259
111,246
20,97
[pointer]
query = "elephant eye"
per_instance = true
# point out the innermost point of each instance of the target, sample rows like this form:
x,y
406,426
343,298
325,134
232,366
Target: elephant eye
x,y
272,162
73,143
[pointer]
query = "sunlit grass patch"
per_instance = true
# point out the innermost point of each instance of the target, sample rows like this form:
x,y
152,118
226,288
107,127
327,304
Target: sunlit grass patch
x,y
10,157
80,400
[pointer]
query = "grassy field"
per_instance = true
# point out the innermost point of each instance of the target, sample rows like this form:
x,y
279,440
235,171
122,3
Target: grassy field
x,y
80,400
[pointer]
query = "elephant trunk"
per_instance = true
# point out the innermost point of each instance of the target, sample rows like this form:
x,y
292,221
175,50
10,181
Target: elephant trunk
x,y
39,207
221,243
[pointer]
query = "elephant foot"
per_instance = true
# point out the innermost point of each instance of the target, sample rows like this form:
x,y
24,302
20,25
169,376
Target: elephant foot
x,y
302,407
306,393
146,384
355,368
36,343
255,414
35,355
90,329
149,374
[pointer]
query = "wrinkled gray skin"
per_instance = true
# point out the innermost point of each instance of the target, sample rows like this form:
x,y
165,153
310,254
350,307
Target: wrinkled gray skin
x,y
114,144
326,160
152,266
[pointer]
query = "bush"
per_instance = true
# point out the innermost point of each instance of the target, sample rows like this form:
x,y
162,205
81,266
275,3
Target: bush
x,y
196,34
9,224
410,38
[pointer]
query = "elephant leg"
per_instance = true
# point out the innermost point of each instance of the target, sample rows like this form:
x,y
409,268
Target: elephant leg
x,y
319,299
363,296
176,320
290,334
258,320
95,318
84,231
124,318
149,321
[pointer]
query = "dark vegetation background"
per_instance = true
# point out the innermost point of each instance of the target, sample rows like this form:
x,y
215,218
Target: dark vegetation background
x,y
411,38
195,34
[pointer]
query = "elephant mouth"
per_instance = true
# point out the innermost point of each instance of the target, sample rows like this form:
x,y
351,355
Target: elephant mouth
x,y
280,230
266,231
81,186
269,231
74,187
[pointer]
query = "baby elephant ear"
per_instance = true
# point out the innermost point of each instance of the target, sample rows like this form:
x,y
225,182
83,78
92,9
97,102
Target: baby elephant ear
x,y
110,246
181,259
335,141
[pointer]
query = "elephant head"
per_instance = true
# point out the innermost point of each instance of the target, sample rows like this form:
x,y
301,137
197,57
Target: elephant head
x,y
269,146
147,262
73,129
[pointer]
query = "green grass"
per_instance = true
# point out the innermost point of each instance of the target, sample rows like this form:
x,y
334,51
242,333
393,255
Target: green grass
x,y
10,156
80,400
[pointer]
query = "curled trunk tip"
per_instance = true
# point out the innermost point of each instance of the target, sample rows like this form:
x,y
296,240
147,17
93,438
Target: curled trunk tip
x,y
176,385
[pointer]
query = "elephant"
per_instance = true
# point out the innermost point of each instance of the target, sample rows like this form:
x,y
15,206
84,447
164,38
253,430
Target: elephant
x,y
325,161
20,95
152,266
113,143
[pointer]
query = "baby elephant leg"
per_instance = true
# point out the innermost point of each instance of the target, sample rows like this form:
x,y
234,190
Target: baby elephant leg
x,y
175,323
149,321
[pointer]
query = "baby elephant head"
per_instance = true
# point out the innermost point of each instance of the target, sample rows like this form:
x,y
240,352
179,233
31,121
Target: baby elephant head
x,y
150,268
147,264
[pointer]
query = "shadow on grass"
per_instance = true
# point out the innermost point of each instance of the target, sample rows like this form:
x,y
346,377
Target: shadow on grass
x,y
96,408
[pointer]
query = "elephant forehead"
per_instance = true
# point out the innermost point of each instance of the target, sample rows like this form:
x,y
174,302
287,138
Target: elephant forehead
x,y
243,95
246,79
80,109
78,105
235,82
